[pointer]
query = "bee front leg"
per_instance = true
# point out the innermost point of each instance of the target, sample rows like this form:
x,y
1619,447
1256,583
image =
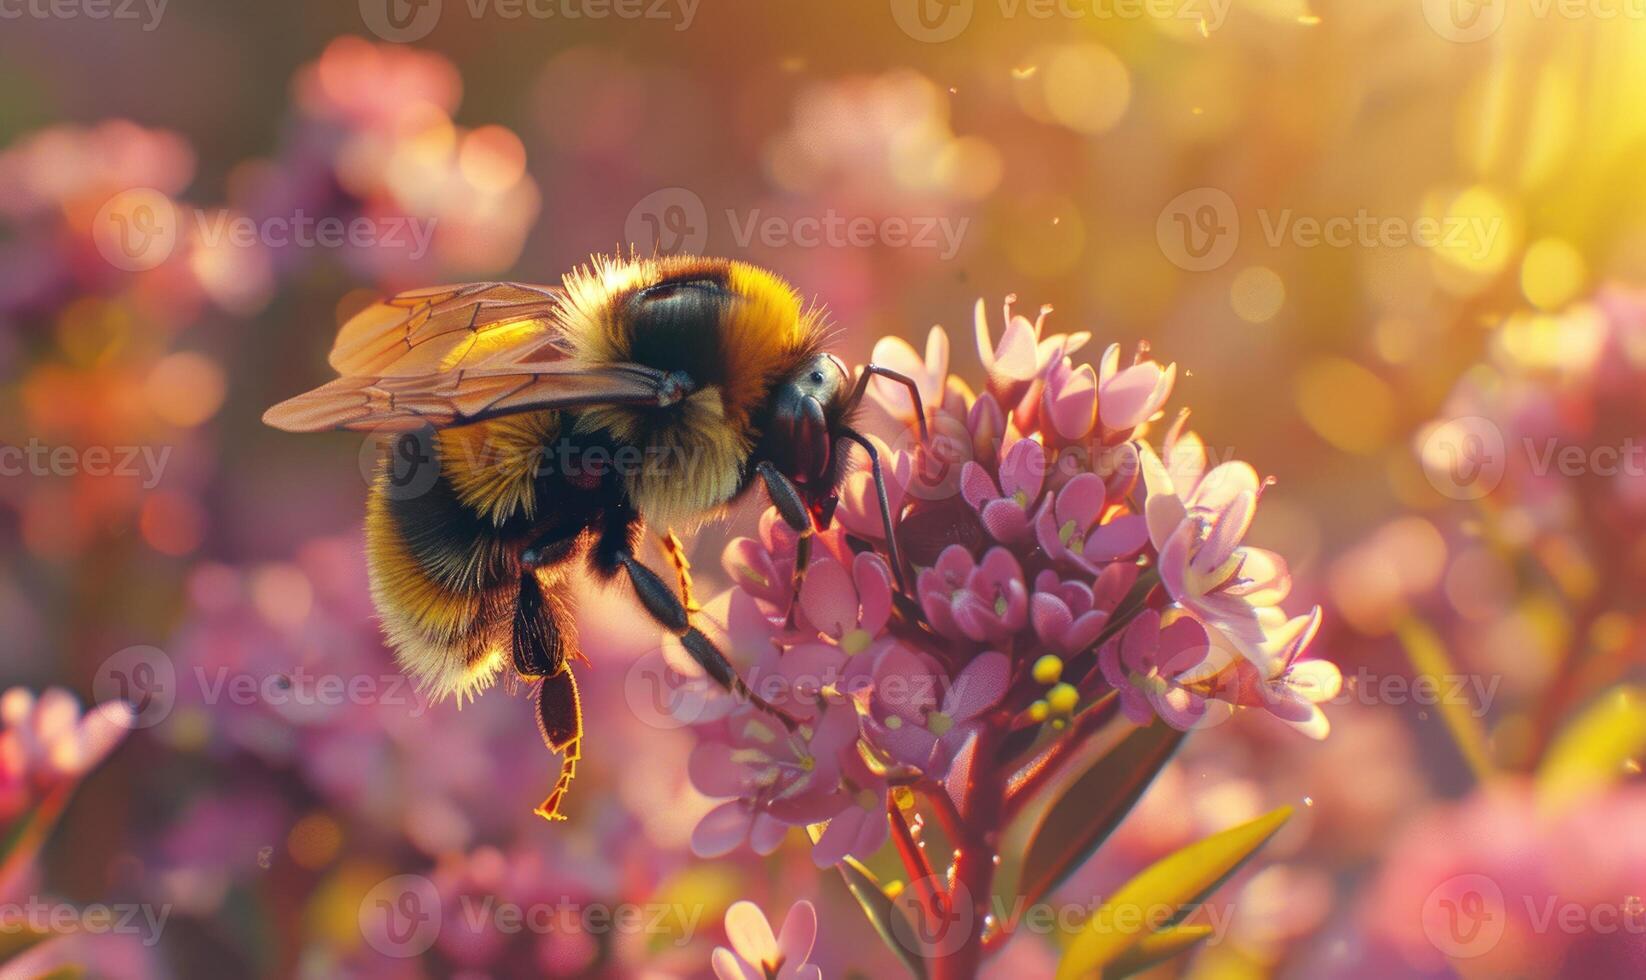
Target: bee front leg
x,y
792,508
661,603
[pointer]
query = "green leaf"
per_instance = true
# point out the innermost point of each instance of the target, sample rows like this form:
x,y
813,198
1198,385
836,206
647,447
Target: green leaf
x,y
1154,949
1427,653
877,906
1178,881
1091,808
1594,749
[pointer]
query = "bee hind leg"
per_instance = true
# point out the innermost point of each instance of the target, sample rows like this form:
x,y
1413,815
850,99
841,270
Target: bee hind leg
x,y
560,722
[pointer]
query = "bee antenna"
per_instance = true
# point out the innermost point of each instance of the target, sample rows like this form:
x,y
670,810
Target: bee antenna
x,y
862,388
885,502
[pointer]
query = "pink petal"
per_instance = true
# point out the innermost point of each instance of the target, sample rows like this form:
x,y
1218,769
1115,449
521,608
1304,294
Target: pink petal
x,y
750,934
896,354
839,837
874,591
1005,521
1051,618
976,486
1131,396
972,615
1229,526
960,769
1023,470
978,687
1315,681
722,830
1073,407
1141,642
799,933
1264,578
767,834
1122,537
747,563
728,967
1179,708
1014,358
1045,533
828,599
1222,485
1081,500
1085,629
1108,660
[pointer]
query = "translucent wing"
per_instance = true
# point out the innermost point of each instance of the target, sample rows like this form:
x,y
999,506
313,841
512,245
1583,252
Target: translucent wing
x,y
450,355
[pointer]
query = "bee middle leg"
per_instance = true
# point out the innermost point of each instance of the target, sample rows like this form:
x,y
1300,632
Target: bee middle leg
x,y
615,553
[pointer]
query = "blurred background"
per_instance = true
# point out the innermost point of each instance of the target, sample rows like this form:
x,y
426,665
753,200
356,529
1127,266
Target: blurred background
x,y
1390,246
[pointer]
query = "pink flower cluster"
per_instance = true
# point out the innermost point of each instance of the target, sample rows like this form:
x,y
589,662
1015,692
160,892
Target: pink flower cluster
x,y
1058,560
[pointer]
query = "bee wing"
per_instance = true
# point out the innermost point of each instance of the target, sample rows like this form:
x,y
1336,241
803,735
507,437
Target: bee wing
x,y
425,331
450,355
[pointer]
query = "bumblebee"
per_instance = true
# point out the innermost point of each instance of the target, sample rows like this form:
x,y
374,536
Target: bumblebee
x,y
560,423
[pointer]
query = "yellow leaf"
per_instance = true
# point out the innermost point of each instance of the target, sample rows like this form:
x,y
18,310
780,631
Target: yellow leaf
x,y
1175,883
1594,749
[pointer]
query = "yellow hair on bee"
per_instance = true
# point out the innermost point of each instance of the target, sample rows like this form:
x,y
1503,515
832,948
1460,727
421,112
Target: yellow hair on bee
x,y
438,634
493,465
694,464
690,468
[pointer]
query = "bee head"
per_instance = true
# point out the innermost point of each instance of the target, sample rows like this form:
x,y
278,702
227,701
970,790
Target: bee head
x,y
808,408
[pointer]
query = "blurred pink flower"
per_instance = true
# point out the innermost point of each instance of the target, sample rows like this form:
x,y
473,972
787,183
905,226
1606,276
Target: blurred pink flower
x,y
47,743
756,954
